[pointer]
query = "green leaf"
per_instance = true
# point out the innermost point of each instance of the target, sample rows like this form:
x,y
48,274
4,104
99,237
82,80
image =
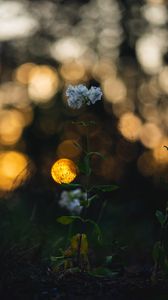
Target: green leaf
x,y
84,166
66,220
96,153
158,253
93,197
103,272
161,217
106,188
77,145
56,258
109,260
96,228
84,123
82,238
70,185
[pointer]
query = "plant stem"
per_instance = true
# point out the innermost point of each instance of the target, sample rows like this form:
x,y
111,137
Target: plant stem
x,y
101,211
79,250
69,235
87,151
33,212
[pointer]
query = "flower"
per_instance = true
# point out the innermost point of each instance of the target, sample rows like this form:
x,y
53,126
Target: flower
x,y
79,95
94,94
71,200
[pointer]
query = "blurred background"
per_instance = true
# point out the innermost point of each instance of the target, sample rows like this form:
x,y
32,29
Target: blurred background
x,y
120,46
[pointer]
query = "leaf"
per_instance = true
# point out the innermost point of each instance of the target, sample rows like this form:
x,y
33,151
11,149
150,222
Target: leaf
x,y
158,253
93,197
96,153
84,166
161,217
70,185
92,123
66,220
77,145
96,228
106,188
56,258
103,272
109,260
80,123
82,239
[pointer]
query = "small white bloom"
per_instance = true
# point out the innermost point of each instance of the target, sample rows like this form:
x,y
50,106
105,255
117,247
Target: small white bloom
x,y
74,206
64,199
77,95
76,193
94,95
71,200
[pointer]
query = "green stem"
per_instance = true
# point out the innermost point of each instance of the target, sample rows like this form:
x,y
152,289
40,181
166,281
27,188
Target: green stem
x,y
79,250
87,176
69,235
33,212
101,211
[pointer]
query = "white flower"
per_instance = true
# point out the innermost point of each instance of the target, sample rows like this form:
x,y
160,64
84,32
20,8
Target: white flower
x,y
71,200
74,206
94,94
79,95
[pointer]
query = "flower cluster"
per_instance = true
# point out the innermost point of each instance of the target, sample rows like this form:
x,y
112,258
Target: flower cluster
x,y
72,200
79,95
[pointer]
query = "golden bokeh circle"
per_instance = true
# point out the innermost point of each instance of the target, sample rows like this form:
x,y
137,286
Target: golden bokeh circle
x,y
13,170
64,170
68,148
129,126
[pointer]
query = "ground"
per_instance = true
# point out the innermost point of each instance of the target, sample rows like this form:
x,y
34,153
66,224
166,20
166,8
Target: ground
x,y
26,281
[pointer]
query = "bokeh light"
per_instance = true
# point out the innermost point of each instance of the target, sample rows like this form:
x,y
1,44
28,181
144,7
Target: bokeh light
x,y
15,21
160,153
73,72
67,49
70,149
163,80
114,90
14,170
22,73
64,171
150,135
104,69
129,126
11,126
13,93
43,83
150,49
155,13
